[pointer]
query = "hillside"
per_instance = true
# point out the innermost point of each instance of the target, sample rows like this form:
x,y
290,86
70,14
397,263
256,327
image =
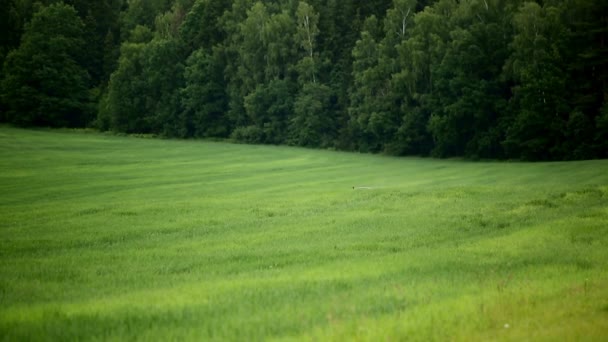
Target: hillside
x,y
106,237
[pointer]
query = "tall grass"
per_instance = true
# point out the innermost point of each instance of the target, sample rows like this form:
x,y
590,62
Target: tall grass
x,y
105,237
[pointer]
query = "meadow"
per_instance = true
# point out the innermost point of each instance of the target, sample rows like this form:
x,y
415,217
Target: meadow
x,y
120,238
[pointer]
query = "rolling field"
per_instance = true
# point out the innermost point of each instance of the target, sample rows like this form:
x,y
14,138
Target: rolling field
x,y
120,238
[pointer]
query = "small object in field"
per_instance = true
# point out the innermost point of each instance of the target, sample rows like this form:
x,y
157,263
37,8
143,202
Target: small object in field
x,y
362,188
507,325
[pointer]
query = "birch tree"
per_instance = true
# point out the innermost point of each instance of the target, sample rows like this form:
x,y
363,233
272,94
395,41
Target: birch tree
x,y
306,35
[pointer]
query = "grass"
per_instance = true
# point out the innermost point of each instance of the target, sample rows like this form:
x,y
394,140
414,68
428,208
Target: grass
x,y
118,238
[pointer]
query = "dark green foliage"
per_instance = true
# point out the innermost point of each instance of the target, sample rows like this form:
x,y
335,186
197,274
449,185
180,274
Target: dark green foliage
x,y
101,19
203,97
142,12
122,108
601,123
201,26
268,108
11,27
143,94
587,53
540,95
312,124
477,78
471,96
44,82
365,88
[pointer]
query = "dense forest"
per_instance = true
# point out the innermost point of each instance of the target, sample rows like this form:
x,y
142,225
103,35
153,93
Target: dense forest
x,y
476,78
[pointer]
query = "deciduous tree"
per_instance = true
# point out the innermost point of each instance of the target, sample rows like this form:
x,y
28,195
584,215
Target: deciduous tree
x,y
44,82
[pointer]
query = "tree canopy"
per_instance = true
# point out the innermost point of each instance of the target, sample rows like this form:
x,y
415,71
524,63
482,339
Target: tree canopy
x,y
474,78
44,81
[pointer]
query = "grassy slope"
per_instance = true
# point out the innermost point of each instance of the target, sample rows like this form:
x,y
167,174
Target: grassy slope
x,y
113,238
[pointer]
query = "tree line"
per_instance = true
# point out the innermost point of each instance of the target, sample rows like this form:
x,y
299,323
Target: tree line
x,y
473,78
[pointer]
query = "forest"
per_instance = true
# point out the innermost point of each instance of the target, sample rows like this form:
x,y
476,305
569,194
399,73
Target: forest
x,y
481,79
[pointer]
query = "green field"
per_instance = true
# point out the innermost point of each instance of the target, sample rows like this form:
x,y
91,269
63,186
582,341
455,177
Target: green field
x,y
105,237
